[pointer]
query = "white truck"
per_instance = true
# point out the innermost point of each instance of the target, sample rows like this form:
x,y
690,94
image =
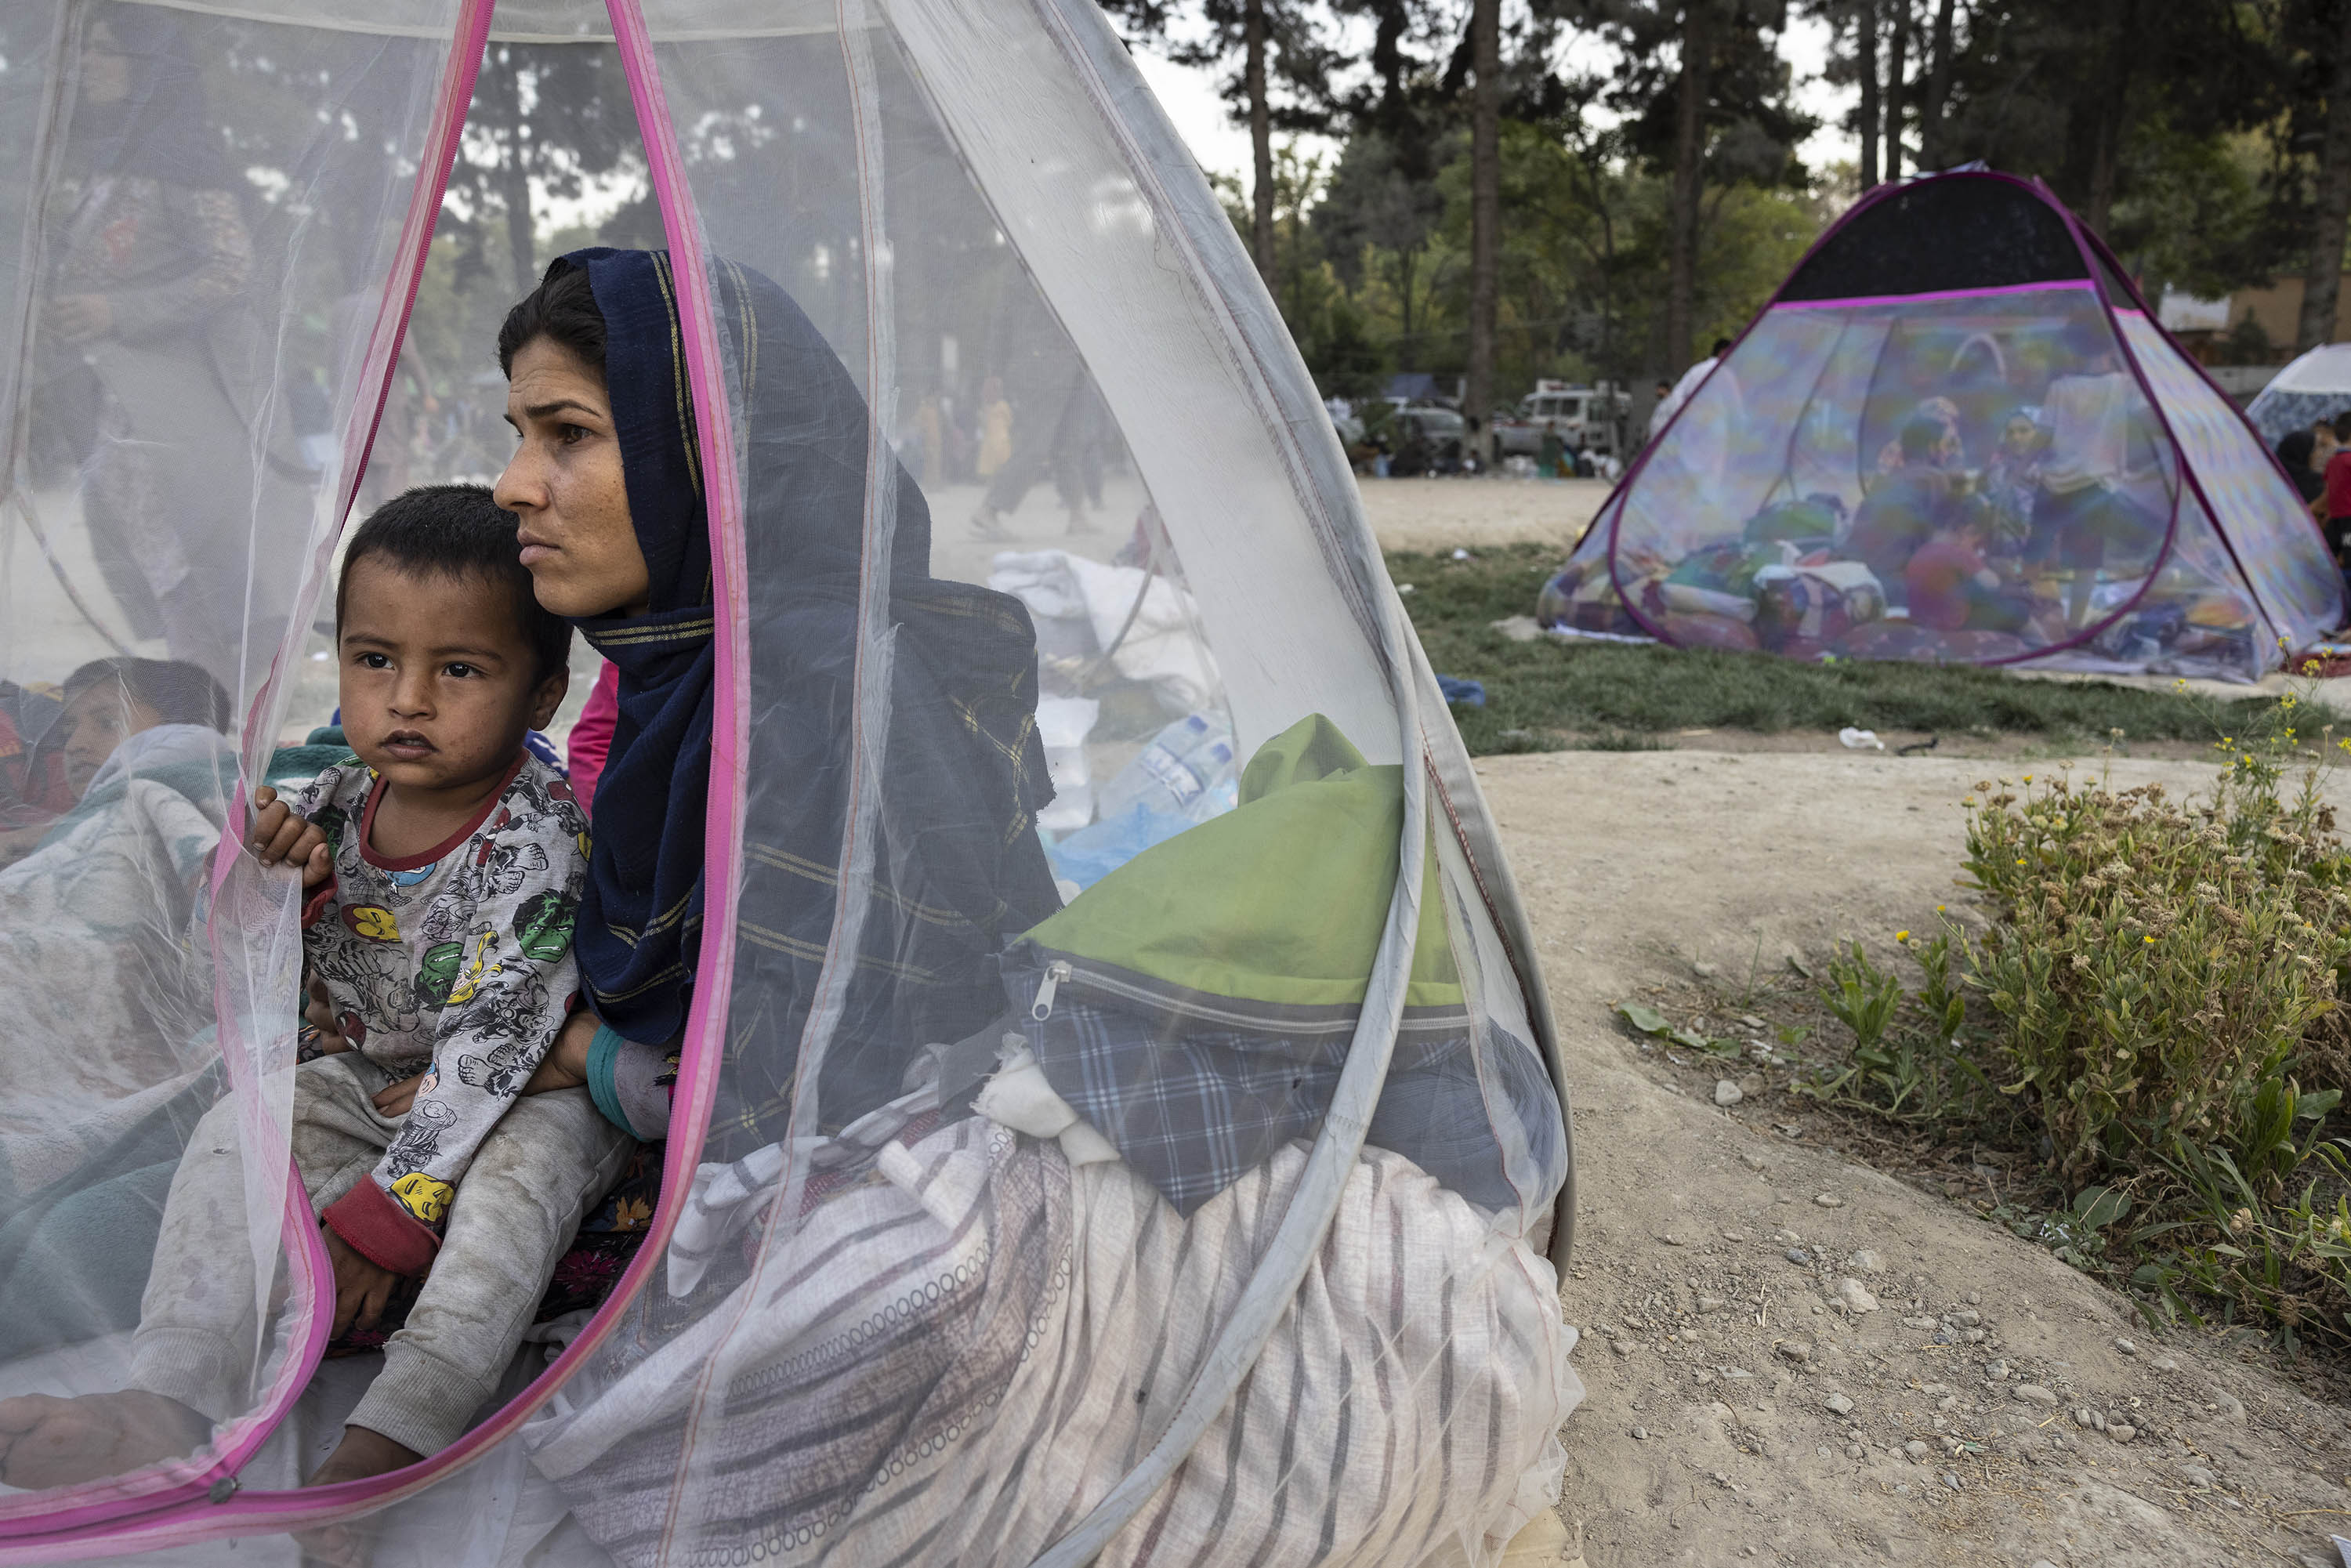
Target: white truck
x,y
1587,418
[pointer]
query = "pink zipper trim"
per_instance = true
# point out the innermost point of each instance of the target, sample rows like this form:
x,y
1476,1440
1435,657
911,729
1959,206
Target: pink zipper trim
x,y
730,718
96,1522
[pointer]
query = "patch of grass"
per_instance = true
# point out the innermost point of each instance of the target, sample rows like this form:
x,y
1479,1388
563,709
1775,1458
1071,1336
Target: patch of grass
x,y
1541,694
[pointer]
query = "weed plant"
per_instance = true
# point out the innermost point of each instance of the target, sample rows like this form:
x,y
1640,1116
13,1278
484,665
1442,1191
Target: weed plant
x,y
2159,996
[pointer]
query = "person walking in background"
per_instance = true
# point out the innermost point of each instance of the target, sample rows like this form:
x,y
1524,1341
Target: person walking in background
x,y
2334,490
1657,409
2297,454
1672,401
1070,448
995,428
147,302
932,425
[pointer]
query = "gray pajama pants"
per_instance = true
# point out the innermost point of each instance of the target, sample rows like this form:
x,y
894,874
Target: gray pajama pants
x,y
550,1159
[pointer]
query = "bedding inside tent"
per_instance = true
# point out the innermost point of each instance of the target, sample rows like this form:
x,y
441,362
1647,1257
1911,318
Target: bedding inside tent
x,y
1956,434
1205,1199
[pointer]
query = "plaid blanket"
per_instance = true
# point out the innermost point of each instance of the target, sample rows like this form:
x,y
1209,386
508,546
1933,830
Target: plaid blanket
x,y
1194,1091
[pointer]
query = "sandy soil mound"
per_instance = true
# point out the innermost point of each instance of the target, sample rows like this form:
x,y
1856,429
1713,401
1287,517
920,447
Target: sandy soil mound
x,y
1791,1357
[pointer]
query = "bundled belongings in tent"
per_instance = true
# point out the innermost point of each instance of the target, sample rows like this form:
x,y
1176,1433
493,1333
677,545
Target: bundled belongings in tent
x,y
1030,1054
1956,434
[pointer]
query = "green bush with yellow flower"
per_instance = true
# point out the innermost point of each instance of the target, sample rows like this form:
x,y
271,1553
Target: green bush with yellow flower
x,y
2157,998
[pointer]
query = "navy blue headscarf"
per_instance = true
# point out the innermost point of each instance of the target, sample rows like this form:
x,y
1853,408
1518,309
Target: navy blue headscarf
x,y
957,866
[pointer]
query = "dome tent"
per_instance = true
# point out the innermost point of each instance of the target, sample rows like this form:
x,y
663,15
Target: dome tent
x,y
982,1320
1956,433
2316,386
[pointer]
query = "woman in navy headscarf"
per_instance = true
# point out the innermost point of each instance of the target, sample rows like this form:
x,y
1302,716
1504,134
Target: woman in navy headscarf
x,y
608,482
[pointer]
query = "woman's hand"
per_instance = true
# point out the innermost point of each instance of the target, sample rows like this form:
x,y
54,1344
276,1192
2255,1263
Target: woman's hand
x,y
564,1065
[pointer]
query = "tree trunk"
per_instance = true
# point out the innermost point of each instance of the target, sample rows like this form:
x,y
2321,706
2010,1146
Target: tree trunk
x,y
1485,218
1898,47
1865,65
1260,143
502,84
1932,153
2322,279
2105,147
1404,301
1689,168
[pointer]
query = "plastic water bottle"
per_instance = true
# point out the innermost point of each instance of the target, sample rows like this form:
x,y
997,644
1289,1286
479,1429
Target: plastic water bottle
x,y
1180,774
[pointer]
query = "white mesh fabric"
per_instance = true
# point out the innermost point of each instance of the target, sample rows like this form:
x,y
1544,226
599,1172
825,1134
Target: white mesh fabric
x,y
2277,551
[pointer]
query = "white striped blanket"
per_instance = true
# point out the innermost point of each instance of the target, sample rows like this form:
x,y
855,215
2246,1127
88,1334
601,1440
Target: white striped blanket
x,y
955,1360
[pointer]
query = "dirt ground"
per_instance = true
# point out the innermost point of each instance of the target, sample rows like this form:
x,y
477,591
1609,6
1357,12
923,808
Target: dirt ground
x,y
1791,1357
1450,514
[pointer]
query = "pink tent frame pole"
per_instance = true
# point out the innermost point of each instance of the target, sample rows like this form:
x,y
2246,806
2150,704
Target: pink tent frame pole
x,y
714,976
93,1518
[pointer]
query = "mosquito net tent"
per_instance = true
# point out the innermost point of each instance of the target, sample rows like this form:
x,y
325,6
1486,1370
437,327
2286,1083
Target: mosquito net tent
x,y
1956,433
1165,1159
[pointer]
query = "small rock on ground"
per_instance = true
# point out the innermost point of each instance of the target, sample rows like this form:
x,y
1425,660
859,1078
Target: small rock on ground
x,y
1855,1296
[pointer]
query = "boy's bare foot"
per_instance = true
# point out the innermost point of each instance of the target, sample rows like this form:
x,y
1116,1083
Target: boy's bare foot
x,y
362,1453
50,1442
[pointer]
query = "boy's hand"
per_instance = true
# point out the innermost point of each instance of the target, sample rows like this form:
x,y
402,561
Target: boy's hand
x,y
362,1288
397,1099
281,838
318,1012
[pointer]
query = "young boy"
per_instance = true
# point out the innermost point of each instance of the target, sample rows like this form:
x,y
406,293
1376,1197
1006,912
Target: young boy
x,y
441,866
1952,587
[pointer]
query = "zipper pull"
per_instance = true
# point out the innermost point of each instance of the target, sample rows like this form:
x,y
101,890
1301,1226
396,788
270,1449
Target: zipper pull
x,y
1055,973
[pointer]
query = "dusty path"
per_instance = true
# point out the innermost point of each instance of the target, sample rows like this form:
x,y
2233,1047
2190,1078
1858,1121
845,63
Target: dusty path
x,y
1446,514
1740,1409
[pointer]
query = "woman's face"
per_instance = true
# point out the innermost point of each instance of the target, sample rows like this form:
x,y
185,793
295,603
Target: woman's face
x,y
2323,445
95,722
2020,436
566,484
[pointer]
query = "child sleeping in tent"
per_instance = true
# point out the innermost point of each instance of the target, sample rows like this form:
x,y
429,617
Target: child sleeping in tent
x,y
441,866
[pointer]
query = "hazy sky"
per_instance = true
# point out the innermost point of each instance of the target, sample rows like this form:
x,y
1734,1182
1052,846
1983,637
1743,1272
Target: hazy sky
x,y
1190,96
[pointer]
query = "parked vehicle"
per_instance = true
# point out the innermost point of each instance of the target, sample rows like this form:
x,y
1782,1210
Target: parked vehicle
x,y
1423,438
1585,419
